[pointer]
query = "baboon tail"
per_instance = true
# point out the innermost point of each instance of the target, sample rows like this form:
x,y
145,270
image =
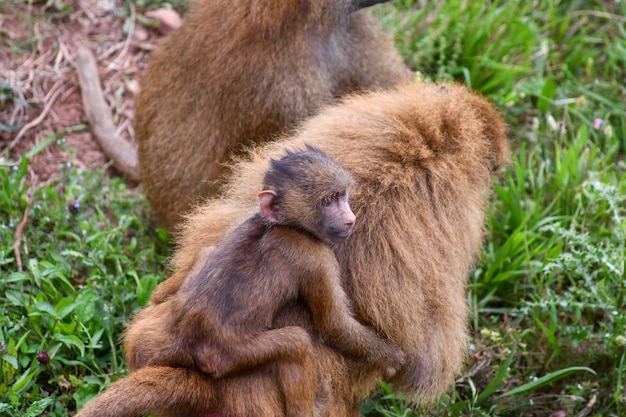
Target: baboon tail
x,y
152,388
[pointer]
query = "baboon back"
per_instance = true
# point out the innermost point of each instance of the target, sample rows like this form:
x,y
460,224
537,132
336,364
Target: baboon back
x,y
239,72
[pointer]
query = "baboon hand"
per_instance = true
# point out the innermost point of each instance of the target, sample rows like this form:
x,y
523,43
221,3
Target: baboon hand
x,y
392,359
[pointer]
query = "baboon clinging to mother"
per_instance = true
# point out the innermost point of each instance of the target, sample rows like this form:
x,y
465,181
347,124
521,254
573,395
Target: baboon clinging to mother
x,y
422,157
220,322
240,72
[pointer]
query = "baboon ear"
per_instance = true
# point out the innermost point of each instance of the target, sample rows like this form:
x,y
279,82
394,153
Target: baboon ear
x,y
268,209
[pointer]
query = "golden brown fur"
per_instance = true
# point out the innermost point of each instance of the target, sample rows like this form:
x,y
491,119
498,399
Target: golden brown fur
x,y
220,322
422,157
242,71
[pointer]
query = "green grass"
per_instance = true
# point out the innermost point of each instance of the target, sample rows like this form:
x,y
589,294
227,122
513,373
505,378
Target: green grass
x,y
89,261
548,297
548,323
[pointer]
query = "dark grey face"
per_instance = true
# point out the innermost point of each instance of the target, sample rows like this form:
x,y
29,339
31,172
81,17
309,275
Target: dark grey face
x,y
360,4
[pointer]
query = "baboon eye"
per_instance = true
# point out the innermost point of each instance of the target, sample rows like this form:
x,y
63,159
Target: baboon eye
x,y
327,201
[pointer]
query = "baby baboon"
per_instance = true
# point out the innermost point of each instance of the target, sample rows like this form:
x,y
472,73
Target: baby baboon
x,y
422,157
243,71
220,321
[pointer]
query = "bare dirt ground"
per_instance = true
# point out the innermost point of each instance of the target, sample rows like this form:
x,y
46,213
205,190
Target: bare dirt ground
x,y
39,91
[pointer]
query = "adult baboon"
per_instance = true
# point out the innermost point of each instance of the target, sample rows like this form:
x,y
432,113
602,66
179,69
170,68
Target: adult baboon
x,y
422,157
220,321
243,71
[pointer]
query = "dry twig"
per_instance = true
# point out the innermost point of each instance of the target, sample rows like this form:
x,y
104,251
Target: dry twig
x,y
49,100
18,238
122,154
588,408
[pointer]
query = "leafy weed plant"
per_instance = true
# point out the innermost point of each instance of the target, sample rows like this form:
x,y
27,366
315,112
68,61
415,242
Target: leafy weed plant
x,y
88,260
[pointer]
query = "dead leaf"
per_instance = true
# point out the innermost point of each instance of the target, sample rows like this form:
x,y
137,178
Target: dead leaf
x,y
170,19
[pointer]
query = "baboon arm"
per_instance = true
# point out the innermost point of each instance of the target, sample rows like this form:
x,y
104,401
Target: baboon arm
x,y
152,388
329,306
333,319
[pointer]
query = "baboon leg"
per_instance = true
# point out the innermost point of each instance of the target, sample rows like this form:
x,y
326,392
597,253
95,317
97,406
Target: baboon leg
x,y
298,383
289,351
286,343
153,388
323,396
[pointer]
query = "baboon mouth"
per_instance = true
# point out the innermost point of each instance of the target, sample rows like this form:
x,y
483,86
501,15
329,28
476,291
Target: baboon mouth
x,y
343,235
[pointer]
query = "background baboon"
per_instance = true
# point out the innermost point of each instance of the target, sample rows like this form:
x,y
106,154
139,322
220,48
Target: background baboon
x,y
220,320
422,157
242,71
